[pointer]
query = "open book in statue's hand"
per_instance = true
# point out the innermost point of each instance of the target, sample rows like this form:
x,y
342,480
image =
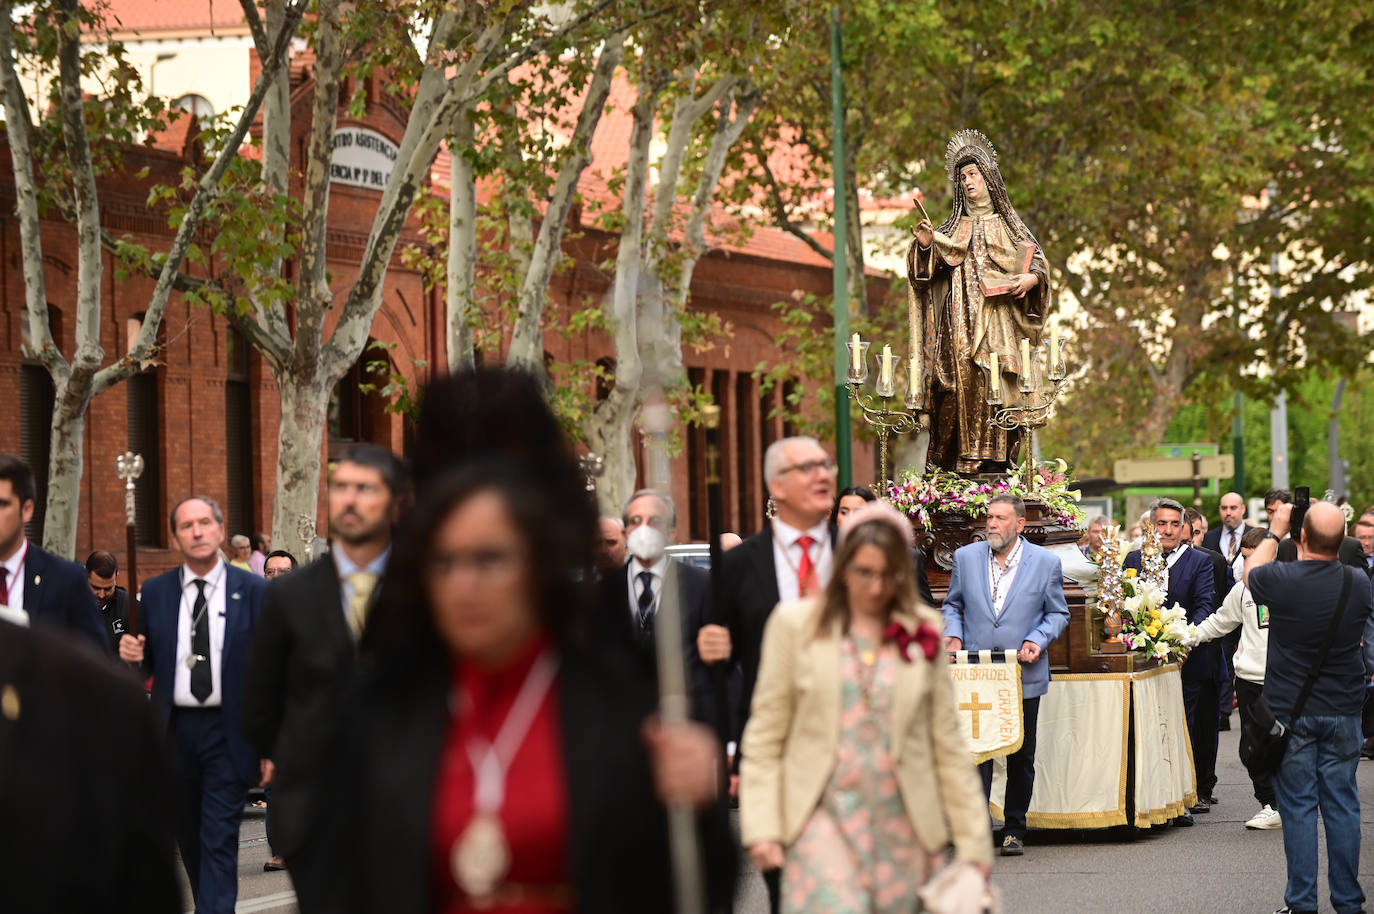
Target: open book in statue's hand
x,y
997,283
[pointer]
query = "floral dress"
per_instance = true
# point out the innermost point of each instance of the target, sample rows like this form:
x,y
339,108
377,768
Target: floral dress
x,y
858,853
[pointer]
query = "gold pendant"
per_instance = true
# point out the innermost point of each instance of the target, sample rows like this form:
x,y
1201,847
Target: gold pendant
x,y
480,857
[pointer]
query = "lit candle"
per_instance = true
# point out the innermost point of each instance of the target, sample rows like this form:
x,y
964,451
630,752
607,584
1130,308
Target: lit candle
x,y
885,373
995,377
856,355
1054,346
1025,357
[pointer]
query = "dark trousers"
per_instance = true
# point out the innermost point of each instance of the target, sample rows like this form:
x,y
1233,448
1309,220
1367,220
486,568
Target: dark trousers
x,y
1226,692
1247,693
1020,774
772,880
1200,705
211,809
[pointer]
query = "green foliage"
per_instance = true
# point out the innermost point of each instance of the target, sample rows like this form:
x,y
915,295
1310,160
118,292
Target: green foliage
x,y
401,392
1136,141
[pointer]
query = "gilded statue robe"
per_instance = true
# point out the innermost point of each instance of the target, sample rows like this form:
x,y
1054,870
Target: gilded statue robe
x,y
963,311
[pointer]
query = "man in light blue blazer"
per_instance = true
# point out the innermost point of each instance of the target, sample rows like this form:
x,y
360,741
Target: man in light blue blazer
x,y
1008,594
198,622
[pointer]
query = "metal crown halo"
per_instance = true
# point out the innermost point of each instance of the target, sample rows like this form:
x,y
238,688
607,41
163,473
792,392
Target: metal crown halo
x,y
960,142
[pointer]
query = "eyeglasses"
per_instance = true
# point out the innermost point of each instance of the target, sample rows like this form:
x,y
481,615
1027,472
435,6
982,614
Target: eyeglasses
x,y
810,467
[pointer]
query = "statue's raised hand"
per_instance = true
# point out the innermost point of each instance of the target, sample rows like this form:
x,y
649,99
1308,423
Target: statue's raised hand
x,y
925,233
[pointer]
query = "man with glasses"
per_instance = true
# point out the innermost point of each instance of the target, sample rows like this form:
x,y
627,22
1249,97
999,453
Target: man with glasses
x,y
307,644
277,563
1008,594
789,558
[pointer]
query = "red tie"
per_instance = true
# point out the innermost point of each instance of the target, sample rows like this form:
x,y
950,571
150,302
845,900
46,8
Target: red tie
x,y
4,586
806,572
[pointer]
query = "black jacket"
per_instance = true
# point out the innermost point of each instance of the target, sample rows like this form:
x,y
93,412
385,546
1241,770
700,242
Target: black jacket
x,y
378,791
299,669
57,593
85,783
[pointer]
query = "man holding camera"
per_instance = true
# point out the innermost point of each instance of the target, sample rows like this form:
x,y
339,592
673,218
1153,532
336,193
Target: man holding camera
x,y
1301,600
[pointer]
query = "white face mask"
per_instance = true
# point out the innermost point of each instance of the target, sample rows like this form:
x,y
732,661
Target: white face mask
x,y
646,543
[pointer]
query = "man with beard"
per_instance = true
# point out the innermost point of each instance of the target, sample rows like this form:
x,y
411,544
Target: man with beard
x,y
1008,594
307,645
113,601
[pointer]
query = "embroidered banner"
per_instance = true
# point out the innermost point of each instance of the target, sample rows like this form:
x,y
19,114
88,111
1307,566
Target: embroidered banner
x,y
987,695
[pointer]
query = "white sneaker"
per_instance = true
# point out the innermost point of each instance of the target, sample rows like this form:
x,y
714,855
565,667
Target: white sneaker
x,y
1267,817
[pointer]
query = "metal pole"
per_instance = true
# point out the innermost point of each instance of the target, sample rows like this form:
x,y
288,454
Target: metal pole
x,y
843,449
1336,471
1197,480
1238,443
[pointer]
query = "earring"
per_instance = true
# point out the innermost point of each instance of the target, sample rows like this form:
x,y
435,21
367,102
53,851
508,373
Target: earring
x,y
770,508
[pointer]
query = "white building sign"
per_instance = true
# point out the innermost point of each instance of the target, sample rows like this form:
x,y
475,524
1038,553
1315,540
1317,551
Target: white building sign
x,y
361,158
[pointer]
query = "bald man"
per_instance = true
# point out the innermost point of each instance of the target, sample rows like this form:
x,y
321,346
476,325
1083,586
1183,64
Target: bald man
x,y
1225,537
1301,601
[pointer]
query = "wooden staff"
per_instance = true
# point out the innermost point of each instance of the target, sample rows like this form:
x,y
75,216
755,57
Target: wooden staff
x,y
674,707
710,419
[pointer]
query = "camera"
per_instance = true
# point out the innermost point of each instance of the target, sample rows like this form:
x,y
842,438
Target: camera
x,y
1302,500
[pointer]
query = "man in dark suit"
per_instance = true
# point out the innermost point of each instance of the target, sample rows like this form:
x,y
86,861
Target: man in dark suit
x,y
631,596
789,558
48,589
1364,533
1226,538
198,622
306,645
83,783
1223,579
1190,582
102,568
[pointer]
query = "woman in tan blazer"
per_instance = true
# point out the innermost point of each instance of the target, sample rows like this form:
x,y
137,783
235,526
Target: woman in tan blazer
x,y
854,775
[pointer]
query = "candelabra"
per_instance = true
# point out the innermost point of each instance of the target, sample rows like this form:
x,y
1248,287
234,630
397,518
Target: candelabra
x,y
1037,401
878,409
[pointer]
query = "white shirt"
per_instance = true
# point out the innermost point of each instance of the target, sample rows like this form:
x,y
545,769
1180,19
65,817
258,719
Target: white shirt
x,y
1004,580
633,570
787,554
1169,562
215,586
15,566
346,567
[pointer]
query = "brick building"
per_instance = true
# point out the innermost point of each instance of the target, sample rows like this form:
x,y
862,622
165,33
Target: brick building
x,y
205,417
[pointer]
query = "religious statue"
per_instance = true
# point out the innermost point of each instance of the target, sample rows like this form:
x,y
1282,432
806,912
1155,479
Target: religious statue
x,y
979,295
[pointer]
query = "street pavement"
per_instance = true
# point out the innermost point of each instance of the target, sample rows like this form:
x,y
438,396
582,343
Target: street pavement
x,y
1215,867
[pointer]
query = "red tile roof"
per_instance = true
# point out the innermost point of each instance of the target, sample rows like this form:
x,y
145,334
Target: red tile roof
x,y
149,17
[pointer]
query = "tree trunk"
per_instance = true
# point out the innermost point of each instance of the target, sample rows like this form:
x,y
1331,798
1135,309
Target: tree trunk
x,y
65,465
461,279
610,434
304,406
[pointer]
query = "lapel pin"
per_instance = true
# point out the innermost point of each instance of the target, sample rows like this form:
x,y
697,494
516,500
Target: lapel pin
x,y
9,703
